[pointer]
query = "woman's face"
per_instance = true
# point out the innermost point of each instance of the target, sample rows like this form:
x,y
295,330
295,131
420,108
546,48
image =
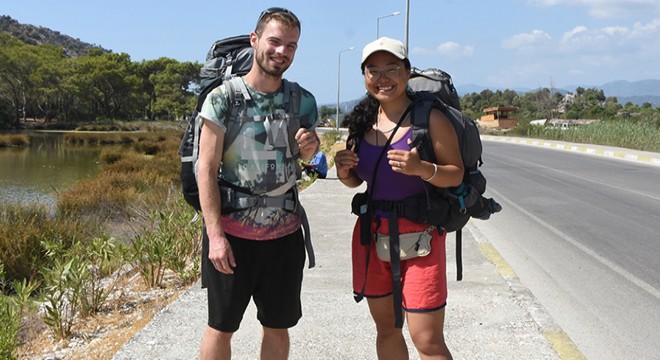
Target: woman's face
x,y
385,76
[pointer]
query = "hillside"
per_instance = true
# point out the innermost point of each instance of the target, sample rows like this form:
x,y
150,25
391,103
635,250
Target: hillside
x,y
636,92
36,35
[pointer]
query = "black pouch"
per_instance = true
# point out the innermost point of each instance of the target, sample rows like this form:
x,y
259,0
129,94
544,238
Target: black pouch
x,y
359,203
360,207
427,208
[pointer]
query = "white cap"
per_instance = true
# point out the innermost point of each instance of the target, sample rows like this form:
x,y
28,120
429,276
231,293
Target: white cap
x,y
394,47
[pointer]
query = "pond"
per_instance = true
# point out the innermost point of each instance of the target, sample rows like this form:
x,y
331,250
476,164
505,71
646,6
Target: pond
x,y
37,172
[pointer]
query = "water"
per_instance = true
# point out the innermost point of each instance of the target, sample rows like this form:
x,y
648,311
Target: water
x,y
37,172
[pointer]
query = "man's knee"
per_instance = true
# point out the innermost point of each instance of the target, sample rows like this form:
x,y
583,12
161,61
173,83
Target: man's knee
x,y
276,333
217,335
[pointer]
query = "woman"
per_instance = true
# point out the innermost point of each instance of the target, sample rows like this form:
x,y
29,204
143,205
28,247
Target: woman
x,y
400,174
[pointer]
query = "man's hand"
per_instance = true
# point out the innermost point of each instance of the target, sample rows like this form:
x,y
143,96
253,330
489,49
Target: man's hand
x,y
221,255
308,142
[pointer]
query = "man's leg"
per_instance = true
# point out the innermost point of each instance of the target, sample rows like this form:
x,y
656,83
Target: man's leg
x,y
216,345
275,344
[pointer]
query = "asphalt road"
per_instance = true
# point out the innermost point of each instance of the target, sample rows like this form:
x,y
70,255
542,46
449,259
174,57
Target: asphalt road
x,y
583,234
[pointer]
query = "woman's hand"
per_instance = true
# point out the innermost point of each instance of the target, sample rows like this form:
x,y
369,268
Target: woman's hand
x,y
406,162
345,161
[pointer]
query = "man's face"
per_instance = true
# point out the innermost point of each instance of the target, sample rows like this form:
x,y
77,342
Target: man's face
x,y
276,48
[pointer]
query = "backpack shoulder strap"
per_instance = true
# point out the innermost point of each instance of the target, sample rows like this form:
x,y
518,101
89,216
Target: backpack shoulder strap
x,y
292,96
238,96
420,129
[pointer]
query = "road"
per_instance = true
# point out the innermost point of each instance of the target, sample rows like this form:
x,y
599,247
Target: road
x,y
583,234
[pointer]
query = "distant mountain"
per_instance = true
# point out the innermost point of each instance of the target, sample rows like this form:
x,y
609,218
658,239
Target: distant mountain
x,y
637,92
623,88
36,35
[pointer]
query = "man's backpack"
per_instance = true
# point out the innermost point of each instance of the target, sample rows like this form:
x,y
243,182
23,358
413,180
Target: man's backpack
x,y
227,58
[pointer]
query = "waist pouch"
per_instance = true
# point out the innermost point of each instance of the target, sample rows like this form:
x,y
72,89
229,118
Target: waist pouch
x,y
411,245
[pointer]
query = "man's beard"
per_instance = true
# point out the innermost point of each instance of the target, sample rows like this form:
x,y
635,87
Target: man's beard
x,y
262,61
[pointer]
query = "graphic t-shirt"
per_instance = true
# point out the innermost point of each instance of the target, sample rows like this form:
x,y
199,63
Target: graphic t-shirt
x,y
260,158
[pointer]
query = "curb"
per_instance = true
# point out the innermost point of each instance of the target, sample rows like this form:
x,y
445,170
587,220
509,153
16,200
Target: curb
x,y
623,154
556,337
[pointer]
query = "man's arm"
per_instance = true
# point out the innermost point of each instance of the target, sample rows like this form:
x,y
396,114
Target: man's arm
x,y
210,156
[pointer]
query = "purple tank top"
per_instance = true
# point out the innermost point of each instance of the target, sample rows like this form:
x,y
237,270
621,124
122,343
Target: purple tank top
x,y
389,184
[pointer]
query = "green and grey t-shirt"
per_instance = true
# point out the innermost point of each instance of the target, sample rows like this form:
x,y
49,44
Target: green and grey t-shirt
x,y
259,159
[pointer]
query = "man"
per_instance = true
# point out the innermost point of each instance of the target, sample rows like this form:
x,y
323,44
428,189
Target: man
x,y
255,252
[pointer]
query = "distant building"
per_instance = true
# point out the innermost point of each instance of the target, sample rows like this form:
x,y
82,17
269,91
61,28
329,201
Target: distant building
x,y
498,117
563,123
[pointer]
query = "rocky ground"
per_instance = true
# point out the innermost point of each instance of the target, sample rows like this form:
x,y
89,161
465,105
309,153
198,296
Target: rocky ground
x,y
99,336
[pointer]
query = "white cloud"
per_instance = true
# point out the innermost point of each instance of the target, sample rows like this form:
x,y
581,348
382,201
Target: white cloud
x,y
449,49
646,30
604,9
455,50
527,41
610,39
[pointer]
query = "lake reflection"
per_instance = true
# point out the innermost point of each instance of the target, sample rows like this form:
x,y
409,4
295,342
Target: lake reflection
x,y
37,172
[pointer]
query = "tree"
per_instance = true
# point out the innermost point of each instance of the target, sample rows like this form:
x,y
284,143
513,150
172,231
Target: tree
x,y
170,84
17,62
108,84
327,112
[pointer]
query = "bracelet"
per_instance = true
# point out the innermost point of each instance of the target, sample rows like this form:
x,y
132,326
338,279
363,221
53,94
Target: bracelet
x,y
435,172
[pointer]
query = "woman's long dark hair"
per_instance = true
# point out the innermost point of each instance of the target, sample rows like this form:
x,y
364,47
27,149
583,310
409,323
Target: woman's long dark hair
x,y
362,117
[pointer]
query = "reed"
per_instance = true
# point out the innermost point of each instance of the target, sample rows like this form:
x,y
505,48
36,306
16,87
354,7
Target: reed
x,y
14,140
630,135
23,228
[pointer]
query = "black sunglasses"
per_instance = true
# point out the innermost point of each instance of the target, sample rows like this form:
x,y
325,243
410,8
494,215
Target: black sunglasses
x,y
274,10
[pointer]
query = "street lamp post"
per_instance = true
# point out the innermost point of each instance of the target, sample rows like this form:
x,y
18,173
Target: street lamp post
x,y
338,82
382,17
407,23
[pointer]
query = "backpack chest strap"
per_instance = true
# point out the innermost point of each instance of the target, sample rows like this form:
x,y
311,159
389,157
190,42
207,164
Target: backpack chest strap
x,y
237,200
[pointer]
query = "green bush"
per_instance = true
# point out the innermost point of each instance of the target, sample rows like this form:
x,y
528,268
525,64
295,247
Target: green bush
x,y
11,327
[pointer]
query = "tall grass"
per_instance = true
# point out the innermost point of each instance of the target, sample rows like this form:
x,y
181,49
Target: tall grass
x,y
629,135
14,140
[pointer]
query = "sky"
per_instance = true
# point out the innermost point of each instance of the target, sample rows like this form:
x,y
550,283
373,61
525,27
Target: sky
x,y
496,44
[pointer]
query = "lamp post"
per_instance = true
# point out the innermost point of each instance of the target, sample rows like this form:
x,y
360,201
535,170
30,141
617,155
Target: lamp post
x,y
338,82
382,17
407,21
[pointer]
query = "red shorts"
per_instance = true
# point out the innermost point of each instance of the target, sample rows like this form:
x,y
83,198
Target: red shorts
x,y
423,279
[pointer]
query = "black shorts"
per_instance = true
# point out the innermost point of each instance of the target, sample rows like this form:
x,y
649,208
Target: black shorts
x,y
269,271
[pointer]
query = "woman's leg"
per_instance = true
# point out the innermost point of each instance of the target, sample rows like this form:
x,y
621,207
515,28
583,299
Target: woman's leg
x,y
427,333
390,343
